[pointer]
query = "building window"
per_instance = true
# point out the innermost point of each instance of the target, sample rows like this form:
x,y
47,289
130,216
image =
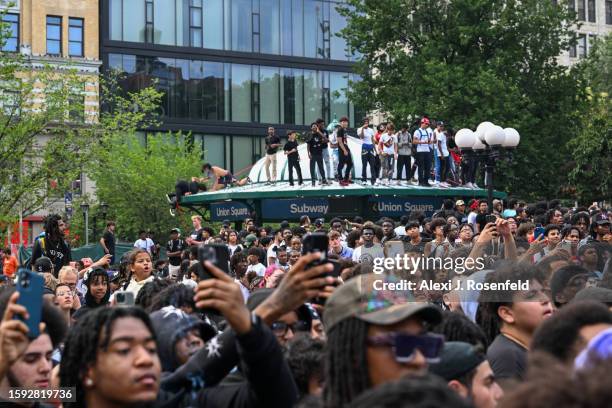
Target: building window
x,y
11,22
54,35
581,10
216,91
591,10
582,45
195,23
75,37
609,12
148,21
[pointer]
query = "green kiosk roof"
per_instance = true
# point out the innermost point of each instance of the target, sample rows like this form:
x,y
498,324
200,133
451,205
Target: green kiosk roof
x,y
280,201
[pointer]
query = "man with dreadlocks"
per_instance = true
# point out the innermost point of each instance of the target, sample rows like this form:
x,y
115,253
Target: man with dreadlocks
x,y
375,336
53,244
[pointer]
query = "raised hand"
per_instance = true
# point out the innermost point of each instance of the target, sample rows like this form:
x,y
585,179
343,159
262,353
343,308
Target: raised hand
x,y
224,295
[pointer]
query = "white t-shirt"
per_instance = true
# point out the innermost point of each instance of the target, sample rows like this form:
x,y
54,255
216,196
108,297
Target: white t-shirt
x,y
233,248
422,135
271,253
385,138
146,244
442,142
259,269
367,134
471,219
333,140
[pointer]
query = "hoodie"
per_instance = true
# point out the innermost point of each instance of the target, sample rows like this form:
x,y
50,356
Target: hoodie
x,y
90,302
171,325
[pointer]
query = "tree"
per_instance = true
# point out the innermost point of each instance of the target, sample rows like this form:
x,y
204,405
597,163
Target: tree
x,y
133,176
47,136
591,174
467,61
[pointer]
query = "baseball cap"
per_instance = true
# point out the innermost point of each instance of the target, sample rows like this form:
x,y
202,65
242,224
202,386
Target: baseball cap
x,y
250,239
425,120
459,202
601,219
359,298
319,221
178,231
43,264
509,213
457,358
226,223
440,123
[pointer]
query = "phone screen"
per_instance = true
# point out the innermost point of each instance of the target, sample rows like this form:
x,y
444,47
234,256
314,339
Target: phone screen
x,y
30,287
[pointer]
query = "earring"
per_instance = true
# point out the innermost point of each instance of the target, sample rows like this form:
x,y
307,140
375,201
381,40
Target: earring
x,y
88,382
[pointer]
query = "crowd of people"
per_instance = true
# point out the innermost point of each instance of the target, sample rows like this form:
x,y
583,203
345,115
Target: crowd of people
x,y
280,326
393,156
423,154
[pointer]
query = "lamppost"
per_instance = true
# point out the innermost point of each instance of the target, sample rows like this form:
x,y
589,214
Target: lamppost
x,y
489,143
85,210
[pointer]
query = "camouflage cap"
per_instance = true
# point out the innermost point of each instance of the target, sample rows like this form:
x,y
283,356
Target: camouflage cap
x,y
376,299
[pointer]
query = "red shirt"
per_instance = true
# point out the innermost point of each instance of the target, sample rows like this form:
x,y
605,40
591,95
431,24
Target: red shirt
x,y
10,266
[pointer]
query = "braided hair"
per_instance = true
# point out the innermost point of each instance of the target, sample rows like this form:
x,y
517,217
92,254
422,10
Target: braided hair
x,y
346,365
84,340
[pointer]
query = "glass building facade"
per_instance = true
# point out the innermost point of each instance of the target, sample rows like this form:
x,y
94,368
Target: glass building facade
x,y
230,68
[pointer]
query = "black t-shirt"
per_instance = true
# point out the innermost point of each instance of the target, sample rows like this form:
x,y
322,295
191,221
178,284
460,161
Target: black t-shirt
x,y
326,134
173,246
109,241
507,358
290,146
58,252
450,143
197,234
270,140
409,247
341,134
315,144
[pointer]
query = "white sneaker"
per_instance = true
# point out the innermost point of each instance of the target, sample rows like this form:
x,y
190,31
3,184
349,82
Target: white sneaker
x,y
414,182
443,185
475,186
468,185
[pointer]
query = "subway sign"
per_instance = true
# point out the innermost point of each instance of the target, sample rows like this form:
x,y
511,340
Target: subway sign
x,y
229,210
397,206
294,208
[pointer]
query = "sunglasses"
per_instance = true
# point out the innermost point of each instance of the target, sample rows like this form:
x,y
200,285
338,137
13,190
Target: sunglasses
x,y
405,345
280,328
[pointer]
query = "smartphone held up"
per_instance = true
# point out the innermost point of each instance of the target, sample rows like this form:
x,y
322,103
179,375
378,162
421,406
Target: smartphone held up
x,y
30,286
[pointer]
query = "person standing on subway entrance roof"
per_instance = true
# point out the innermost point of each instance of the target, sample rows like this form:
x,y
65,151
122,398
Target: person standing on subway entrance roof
x,y
345,158
273,142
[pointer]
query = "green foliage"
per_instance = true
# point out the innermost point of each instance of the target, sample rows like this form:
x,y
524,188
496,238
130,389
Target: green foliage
x,y
43,141
133,178
591,174
467,61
